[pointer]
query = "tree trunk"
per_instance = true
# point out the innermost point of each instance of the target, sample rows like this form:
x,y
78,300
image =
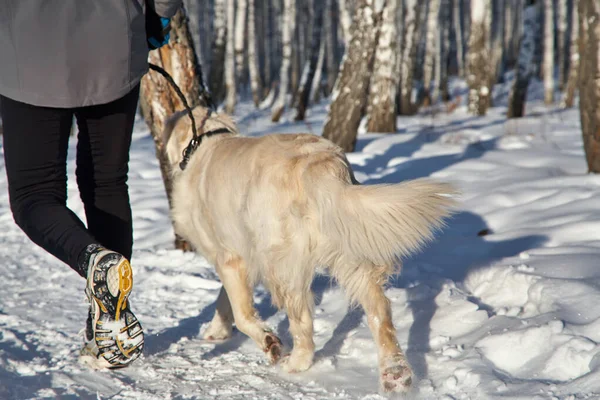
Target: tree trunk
x,y
527,64
589,83
444,53
562,48
313,62
253,61
459,34
240,41
217,75
345,20
381,112
409,53
548,65
288,29
509,20
317,87
573,79
158,100
230,81
331,47
431,42
352,87
478,59
497,44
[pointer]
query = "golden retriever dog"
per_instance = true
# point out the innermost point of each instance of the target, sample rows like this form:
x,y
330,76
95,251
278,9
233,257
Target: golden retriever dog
x,y
276,209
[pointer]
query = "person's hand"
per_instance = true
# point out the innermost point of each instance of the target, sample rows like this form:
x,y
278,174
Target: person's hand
x,y
157,30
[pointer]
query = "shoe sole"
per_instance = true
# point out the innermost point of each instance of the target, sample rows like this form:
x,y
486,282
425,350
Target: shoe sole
x,y
118,333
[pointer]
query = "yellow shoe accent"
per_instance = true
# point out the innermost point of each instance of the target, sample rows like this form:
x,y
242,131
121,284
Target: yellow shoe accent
x,y
125,285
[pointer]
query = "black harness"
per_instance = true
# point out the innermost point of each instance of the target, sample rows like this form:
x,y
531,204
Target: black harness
x,y
196,139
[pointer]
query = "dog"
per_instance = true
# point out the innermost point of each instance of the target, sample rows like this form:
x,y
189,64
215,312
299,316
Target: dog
x,y
278,208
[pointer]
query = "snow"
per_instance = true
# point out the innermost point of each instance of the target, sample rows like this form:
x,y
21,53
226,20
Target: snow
x,y
505,304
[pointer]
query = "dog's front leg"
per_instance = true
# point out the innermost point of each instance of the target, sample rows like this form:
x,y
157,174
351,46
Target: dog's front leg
x,y
221,325
234,275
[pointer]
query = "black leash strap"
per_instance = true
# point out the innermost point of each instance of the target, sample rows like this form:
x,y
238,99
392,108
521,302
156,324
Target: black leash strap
x,y
196,139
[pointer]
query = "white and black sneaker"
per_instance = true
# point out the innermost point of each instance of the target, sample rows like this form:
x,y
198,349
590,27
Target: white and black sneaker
x,y
116,338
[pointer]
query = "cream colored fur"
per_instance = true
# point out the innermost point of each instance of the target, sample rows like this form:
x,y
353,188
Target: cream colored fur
x,y
276,208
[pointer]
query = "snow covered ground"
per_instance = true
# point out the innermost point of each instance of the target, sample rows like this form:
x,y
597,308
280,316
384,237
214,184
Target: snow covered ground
x,y
505,304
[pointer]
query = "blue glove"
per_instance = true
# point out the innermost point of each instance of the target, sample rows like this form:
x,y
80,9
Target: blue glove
x,y
157,30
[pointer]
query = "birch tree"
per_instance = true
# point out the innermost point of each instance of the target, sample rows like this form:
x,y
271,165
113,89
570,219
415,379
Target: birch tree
x,y
331,48
431,43
230,81
381,112
313,62
497,43
478,58
345,19
443,49
288,28
527,64
548,63
408,59
350,93
217,72
158,100
240,40
562,45
459,35
573,78
253,61
589,81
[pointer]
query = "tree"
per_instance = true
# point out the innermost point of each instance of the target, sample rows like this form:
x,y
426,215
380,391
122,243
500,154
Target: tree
x,y
409,54
217,72
313,61
443,50
331,41
253,61
573,77
158,100
459,37
432,42
345,13
288,28
478,58
548,51
351,89
589,82
381,112
230,81
240,40
562,22
527,64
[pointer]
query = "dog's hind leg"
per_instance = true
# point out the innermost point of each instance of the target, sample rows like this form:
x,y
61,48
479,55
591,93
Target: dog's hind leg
x,y
365,284
221,325
234,275
299,307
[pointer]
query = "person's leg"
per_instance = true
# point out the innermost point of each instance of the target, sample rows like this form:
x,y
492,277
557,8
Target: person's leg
x,y
35,152
102,166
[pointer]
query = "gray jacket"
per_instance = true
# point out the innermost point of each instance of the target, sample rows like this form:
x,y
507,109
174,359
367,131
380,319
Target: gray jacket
x,y
73,53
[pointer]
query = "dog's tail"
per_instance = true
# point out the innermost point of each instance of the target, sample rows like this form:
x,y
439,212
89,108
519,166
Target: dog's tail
x,y
382,223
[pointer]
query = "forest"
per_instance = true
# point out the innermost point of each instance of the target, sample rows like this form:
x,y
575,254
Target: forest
x,y
376,60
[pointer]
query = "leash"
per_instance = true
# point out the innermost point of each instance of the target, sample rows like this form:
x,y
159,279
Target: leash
x,y
196,139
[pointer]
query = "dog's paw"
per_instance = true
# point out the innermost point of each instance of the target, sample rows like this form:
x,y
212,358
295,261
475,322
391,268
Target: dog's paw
x,y
297,361
396,376
217,330
272,347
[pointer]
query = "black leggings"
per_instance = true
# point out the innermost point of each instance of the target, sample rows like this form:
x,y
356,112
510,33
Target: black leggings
x,y
35,153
